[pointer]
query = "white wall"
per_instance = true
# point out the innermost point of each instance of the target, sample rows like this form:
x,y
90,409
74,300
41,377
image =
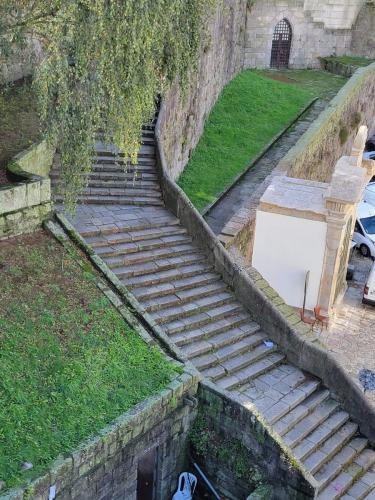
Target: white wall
x,y
285,248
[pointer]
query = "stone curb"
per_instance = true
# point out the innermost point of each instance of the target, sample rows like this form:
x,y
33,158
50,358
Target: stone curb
x,y
299,348
109,440
130,301
205,211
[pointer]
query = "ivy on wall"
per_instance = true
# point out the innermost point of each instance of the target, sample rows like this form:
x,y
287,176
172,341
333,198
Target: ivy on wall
x,y
105,61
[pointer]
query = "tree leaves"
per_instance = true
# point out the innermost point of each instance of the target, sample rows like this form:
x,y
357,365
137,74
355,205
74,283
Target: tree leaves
x,y
105,63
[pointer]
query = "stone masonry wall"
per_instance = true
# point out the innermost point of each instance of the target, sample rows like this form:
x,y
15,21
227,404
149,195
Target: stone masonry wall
x,y
237,452
27,203
332,134
105,467
311,37
221,58
363,36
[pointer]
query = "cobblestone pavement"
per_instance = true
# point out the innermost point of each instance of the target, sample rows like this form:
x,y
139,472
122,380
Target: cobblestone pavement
x,y
351,337
239,195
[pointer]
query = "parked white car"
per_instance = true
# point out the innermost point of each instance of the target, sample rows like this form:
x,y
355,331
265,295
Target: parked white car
x,y
364,231
369,291
369,155
369,196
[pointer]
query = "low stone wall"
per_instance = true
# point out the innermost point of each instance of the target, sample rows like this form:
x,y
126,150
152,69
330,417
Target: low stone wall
x,y
331,136
334,66
238,452
301,347
106,466
220,59
25,204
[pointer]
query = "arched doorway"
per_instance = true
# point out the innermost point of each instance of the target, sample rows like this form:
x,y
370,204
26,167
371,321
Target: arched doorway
x,y
281,42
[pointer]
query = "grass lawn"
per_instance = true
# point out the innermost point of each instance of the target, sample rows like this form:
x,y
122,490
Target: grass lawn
x,y
251,110
19,122
69,364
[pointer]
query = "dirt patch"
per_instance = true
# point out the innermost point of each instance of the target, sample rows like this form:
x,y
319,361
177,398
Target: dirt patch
x,y
19,122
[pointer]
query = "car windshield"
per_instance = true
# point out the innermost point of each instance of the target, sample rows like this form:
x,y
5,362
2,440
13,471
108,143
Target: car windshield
x,y
368,224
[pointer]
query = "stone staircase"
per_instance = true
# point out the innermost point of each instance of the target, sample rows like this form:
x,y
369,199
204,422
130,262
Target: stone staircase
x,y
155,258
114,180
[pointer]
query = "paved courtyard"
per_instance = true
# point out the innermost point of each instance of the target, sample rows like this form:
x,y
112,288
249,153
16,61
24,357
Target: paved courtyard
x,y
351,337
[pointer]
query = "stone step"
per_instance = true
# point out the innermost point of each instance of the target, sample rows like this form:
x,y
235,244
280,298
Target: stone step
x,y
150,255
202,319
131,247
292,418
134,185
132,236
193,307
111,150
315,458
106,163
231,357
309,423
159,290
121,193
236,380
158,303
142,284
339,474
329,447
119,176
159,265
287,402
364,487
87,230
147,138
115,200
236,326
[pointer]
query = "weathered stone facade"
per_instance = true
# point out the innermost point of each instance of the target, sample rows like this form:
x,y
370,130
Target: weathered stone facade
x,y
318,29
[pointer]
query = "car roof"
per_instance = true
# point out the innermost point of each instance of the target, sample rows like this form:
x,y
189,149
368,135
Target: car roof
x,y
371,187
369,155
365,210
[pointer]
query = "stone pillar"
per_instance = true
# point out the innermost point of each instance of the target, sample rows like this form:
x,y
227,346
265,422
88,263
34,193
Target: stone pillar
x,y
337,220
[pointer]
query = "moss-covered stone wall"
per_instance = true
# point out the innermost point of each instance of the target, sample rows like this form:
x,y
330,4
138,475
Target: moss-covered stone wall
x,y
331,136
238,453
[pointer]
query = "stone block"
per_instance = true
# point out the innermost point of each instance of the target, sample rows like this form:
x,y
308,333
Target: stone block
x,y
33,193
45,190
19,197
6,200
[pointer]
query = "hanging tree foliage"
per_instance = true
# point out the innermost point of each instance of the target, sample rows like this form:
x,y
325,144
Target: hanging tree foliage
x,y
104,63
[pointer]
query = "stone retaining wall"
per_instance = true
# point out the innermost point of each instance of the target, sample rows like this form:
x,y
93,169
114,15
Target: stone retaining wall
x,y
106,466
240,452
331,136
25,204
220,59
333,66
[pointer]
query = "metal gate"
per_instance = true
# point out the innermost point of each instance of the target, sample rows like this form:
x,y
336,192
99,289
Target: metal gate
x,y
281,42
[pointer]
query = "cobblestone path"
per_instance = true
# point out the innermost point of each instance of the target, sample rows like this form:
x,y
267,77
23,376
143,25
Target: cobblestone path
x,y
351,337
238,196
153,255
